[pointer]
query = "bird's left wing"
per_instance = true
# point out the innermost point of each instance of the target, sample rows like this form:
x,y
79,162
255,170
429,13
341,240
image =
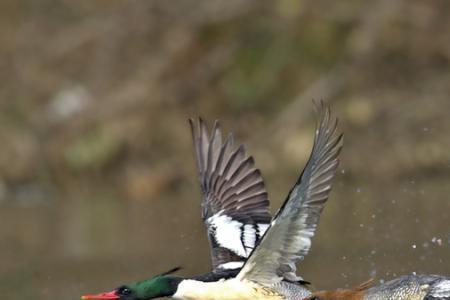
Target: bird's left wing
x,y
289,237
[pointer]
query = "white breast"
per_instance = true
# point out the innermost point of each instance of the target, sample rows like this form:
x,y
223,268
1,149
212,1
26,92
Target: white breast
x,y
232,289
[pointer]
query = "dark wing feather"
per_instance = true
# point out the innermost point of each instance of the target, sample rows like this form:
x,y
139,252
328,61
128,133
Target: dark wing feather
x,y
235,206
289,237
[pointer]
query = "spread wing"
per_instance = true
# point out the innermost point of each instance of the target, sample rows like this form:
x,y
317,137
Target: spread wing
x,y
235,206
289,237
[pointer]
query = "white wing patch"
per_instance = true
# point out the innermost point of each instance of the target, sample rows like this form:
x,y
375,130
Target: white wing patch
x,y
228,233
249,237
231,265
262,229
234,235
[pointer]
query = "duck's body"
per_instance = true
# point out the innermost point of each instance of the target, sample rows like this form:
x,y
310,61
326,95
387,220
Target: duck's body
x,y
253,255
225,285
239,290
407,287
221,290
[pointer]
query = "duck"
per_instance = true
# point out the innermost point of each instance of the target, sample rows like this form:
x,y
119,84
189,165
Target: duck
x,y
253,254
406,287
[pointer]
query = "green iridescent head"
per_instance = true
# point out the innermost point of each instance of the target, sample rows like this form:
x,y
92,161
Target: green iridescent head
x,y
163,285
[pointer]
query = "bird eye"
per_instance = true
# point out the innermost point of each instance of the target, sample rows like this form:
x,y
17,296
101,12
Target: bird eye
x,y
124,291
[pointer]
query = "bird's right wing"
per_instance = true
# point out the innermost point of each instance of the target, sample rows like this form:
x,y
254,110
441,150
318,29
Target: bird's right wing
x,y
235,206
288,239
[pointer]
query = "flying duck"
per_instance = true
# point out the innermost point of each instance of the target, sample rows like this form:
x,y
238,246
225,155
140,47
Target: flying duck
x,y
253,255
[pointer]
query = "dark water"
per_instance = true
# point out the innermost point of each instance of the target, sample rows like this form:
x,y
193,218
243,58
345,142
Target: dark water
x,y
62,250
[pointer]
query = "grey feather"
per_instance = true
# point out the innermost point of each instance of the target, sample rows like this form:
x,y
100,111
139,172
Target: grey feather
x,y
420,286
289,237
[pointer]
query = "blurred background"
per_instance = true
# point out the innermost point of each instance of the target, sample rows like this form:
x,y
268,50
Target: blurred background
x,y
98,184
